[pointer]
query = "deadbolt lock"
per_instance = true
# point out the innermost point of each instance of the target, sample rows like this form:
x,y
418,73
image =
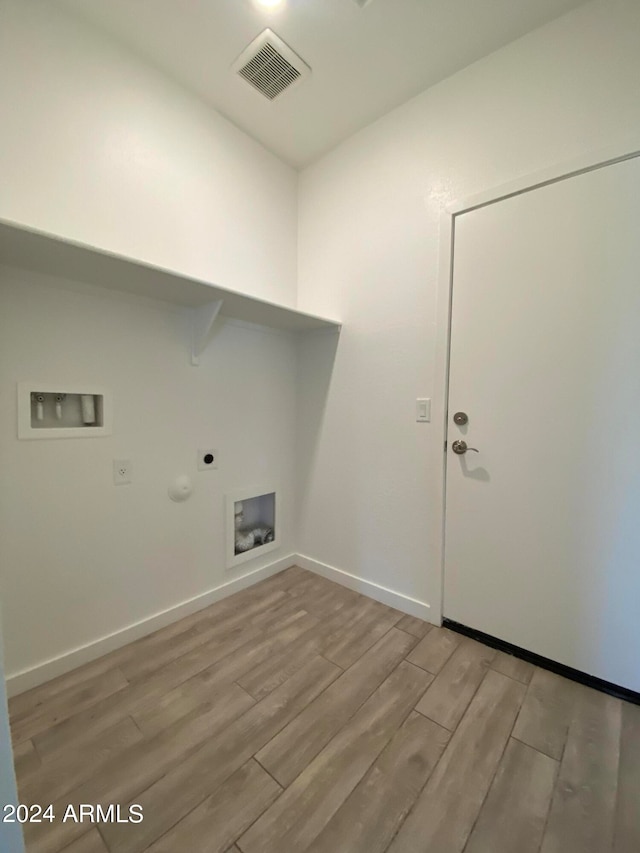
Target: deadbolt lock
x,y
461,418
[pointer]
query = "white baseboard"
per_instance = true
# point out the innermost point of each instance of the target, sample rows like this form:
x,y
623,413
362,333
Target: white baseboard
x,y
20,681
405,603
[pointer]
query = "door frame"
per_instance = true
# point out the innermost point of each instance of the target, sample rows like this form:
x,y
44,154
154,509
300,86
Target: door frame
x,y
586,162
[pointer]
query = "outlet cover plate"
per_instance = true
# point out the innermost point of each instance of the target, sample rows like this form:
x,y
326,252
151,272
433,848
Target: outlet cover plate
x,y
122,472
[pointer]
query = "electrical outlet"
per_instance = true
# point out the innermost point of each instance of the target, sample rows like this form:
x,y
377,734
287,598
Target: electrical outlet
x,y
122,472
207,459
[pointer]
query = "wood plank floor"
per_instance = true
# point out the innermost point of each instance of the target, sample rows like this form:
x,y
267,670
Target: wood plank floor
x,y
300,716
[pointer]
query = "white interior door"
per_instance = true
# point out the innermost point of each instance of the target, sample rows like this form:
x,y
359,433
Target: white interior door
x,y
542,545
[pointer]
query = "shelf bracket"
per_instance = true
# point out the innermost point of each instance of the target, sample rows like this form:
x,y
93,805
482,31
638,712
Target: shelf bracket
x,y
203,324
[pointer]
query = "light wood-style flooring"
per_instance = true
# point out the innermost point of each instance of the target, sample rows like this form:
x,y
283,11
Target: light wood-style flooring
x,y
300,716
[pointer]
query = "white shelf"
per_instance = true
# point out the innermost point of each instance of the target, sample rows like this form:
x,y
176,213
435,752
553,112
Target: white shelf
x,y
46,253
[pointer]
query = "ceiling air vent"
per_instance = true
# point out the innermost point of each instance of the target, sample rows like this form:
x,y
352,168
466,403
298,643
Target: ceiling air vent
x,y
270,66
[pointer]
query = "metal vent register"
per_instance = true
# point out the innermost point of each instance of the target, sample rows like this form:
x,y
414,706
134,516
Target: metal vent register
x,y
270,66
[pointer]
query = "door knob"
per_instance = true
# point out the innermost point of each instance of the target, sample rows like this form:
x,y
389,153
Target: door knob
x,y
460,447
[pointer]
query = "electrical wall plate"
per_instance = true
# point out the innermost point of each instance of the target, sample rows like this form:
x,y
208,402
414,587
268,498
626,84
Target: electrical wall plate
x,y
423,410
122,472
207,459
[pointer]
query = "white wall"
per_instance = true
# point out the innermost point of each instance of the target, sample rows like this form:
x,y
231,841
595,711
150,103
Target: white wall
x,y
368,253
81,557
98,147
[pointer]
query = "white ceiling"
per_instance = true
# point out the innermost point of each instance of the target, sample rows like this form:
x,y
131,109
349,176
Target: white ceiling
x,y
365,61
